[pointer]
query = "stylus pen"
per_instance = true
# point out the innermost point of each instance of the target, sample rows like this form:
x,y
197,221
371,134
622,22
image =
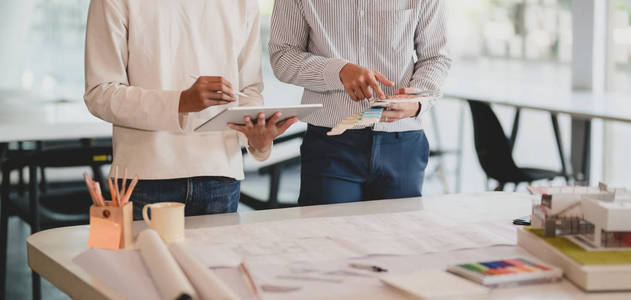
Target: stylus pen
x,y
238,93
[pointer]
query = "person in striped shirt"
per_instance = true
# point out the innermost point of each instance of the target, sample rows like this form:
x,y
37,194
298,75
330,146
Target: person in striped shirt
x,y
344,53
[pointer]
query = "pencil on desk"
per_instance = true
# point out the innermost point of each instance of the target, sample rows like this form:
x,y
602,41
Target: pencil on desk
x,y
248,279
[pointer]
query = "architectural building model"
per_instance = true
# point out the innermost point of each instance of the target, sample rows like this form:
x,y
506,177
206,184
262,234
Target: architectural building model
x,y
595,218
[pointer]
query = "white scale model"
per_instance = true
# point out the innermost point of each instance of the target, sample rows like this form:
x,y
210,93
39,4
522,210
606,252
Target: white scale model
x,y
596,219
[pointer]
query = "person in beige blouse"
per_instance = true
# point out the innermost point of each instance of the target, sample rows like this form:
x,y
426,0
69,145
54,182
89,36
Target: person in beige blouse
x,y
140,61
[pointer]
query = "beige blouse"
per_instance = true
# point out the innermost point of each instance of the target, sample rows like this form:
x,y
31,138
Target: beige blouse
x,y
140,55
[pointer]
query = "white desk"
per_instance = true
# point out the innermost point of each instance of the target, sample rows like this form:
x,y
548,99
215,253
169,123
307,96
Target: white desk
x,y
542,87
50,252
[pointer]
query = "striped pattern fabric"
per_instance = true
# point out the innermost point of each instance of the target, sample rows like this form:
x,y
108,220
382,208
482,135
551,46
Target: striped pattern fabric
x,y
311,40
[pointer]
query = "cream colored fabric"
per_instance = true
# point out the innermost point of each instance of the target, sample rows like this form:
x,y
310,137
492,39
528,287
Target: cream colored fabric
x,y
140,55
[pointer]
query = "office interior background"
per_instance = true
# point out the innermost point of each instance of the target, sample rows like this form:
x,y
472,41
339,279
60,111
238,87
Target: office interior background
x,y
530,41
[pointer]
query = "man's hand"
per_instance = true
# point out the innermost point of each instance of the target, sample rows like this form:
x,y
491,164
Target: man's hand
x,y
262,134
397,111
361,83
205,92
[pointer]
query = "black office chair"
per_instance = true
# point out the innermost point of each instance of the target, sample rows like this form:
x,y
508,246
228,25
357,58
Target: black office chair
x,y
54,207
495,153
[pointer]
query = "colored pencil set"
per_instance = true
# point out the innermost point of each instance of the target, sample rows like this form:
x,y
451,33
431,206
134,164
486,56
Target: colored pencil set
x,y
120,196
507,272
509,266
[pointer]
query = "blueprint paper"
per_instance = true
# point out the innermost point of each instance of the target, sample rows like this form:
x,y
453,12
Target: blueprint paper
x,y
167,274
121,270
270,249
325,239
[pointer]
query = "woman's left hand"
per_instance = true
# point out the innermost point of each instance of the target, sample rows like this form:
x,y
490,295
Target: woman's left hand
x,y
262,134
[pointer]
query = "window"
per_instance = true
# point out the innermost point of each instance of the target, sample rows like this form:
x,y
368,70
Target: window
x,y
621,48
53,44
515,29
618,135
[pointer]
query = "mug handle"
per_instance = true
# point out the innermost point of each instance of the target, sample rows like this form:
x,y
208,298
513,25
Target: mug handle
x,y
145,216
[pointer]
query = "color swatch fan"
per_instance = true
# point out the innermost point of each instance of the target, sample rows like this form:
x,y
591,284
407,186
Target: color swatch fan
x,y
372,115
369,117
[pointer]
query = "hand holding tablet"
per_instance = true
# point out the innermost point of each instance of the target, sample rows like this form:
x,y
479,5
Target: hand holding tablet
x,y
262,132
236,115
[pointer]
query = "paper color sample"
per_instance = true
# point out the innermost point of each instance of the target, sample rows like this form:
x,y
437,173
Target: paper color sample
x,y
369,117
104,234
436,285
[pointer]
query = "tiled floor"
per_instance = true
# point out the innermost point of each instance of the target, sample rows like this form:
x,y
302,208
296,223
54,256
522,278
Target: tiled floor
x,y
18,272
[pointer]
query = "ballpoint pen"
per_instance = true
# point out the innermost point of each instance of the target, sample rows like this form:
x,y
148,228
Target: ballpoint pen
x,y
368,267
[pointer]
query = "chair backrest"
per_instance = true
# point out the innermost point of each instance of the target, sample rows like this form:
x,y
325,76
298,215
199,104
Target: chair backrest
x,y
491,144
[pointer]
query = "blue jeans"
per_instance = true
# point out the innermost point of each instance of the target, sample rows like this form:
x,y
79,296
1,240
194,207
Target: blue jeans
x,y
201,195
361,165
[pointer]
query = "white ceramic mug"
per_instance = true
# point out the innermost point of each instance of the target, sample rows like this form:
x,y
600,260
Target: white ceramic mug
x,y
167,218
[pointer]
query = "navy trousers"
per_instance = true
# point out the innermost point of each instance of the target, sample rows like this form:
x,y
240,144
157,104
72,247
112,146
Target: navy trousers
x,y
201,195
361,165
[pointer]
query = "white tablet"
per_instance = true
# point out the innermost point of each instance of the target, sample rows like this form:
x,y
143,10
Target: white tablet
x,y
236,114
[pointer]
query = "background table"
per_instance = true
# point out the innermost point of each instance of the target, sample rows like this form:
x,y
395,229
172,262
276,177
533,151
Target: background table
x,y
28,116
541,88
50,252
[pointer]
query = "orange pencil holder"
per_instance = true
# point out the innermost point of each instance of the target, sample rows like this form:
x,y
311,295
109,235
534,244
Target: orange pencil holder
x,y
111,226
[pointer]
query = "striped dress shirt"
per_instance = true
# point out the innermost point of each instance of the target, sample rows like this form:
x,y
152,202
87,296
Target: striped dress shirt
x,y
311,40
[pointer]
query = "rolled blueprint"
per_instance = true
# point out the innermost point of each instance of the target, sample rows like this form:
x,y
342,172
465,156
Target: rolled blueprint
x,y
171,282
207,284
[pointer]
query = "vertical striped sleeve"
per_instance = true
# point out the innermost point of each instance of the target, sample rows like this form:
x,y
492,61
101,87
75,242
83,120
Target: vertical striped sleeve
x,y
290,60
430,42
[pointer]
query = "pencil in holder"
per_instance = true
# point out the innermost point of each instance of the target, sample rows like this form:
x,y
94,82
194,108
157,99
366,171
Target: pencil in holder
x,y
111,226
